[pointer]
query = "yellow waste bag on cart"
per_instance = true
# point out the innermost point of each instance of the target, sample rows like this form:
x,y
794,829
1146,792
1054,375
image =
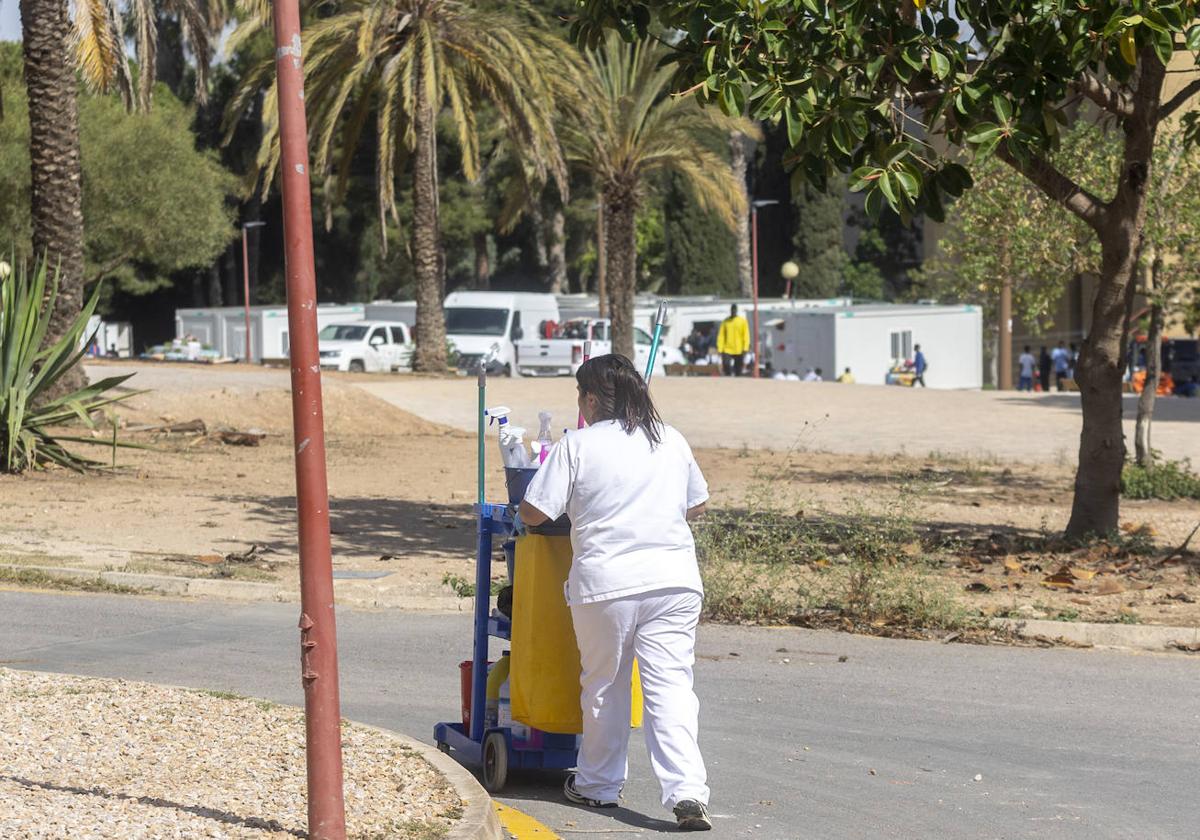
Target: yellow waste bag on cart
x,y
544,663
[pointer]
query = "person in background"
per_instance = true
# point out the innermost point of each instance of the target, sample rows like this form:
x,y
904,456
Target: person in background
x,y
792,376
920,364
630,485
1062,365
733,342
1074,353
1025,363
777,374
811,376
847,378
1045,363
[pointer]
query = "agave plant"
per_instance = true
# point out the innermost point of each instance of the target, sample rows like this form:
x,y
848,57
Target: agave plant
x,y
30,411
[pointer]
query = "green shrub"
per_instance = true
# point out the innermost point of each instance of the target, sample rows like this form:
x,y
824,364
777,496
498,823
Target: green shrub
x,y
866,570
1167,480
30,367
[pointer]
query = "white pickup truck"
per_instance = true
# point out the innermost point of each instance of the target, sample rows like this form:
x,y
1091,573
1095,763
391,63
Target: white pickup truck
x,y
563,354
366,346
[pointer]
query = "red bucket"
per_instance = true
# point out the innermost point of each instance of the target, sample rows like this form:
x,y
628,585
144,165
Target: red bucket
x,y
465,670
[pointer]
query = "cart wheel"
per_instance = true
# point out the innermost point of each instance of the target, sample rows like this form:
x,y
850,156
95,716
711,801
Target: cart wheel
x,y
495,761
443,747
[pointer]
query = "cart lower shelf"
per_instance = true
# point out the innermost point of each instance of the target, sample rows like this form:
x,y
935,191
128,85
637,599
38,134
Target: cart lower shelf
x,y
499,752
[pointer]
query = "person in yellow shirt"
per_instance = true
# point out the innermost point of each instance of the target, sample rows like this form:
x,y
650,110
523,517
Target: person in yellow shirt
x,y
733,342
846,378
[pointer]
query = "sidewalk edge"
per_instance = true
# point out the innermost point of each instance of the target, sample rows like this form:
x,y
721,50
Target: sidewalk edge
x,y
479,820
1155,637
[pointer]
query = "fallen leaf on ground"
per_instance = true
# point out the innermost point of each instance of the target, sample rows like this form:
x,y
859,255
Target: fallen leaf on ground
x,y
978,586
1190,647
1109,586
1082,574
1013,565
1062,579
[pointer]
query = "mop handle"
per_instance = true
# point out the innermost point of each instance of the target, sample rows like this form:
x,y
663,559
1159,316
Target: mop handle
x,y
482,410
587,354
659,320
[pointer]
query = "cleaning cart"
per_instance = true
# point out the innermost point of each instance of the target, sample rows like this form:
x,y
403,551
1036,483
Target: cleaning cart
x,y
544,720
498,748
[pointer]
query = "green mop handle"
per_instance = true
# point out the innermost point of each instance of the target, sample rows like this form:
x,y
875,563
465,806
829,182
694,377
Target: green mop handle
x,y
482,391
659,320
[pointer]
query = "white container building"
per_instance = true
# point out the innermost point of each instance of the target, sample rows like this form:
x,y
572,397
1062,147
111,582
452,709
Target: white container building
x,y
223,328
870,338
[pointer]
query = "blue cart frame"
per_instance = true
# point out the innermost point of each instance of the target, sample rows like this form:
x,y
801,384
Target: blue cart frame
x,y
493,748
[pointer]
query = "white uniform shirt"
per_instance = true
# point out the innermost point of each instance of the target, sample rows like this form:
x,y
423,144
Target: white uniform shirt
x,y
628,505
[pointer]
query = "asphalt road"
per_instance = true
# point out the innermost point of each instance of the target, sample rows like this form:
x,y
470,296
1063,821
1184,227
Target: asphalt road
x,y
887,744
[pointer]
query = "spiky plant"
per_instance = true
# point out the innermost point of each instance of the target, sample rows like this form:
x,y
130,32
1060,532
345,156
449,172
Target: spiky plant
x,y
30,365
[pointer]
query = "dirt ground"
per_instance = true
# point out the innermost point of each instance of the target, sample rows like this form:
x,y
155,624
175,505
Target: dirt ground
x,y
401,489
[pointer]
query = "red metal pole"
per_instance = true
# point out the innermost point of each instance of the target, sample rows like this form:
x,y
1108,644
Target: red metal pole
x,y
754,274
246,290
318,635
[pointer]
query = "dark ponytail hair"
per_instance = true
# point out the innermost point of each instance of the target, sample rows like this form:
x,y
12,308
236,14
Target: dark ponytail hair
x,y
621,393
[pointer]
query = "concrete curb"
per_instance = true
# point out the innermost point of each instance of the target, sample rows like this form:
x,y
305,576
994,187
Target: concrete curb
x,y
347,593
1130,636
479,820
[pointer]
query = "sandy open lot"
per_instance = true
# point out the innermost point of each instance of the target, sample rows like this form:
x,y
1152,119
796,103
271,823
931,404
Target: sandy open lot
x,y
402,481
822,416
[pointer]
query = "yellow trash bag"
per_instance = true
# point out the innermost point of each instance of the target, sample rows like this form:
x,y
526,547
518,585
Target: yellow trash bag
x,y
544,670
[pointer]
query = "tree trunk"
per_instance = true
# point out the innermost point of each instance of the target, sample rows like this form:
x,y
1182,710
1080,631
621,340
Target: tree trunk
x,y
1145,409
57,192
601,260
739,164
620,209
1095,509
483,266
558,252
430,353
540,253
214,297
1004,381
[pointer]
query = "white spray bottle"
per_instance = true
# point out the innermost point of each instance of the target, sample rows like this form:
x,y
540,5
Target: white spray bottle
x,y
512,438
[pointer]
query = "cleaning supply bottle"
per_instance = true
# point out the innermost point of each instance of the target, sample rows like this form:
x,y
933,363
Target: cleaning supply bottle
x,y
497,677
512,438
544,441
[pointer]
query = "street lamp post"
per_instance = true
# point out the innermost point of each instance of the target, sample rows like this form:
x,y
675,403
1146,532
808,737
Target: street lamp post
x,y
246,281
318,632
754,205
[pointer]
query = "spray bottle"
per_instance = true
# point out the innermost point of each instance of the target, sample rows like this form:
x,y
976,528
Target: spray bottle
x,y
544,440
512,438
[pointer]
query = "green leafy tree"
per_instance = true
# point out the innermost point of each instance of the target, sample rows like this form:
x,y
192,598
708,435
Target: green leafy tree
x,y
398,64
153,203
863,87
631,130
818,238
701,252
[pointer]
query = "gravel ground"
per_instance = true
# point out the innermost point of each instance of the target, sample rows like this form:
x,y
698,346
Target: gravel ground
x,y
89,758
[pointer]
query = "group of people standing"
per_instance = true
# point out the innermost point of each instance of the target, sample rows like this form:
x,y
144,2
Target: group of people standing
x,y
732,344
1037,370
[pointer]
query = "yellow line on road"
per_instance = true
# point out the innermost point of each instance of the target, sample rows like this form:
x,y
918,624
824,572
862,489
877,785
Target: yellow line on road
x,y
521,826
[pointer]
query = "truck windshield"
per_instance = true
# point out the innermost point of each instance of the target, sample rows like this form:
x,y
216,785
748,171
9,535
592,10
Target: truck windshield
x,y
462,320
343,332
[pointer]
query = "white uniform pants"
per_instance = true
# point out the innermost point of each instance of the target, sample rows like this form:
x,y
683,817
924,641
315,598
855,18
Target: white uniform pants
x,y
659,628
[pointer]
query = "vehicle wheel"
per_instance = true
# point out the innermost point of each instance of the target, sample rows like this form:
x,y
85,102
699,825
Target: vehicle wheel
x,y
443,747
495,762
356,366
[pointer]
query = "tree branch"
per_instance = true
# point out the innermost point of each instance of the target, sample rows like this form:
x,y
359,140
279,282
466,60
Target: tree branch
x,y
1056,185
1177,101
1110,99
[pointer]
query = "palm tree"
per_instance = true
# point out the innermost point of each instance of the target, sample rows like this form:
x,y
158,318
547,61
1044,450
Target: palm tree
x,y
97,37
630,129
401,62
57,191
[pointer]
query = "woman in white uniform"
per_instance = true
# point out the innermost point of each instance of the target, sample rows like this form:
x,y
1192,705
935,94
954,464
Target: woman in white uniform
x,y
630,484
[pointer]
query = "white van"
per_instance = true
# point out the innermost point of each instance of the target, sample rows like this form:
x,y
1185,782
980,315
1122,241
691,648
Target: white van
x,y
366,346
484,326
